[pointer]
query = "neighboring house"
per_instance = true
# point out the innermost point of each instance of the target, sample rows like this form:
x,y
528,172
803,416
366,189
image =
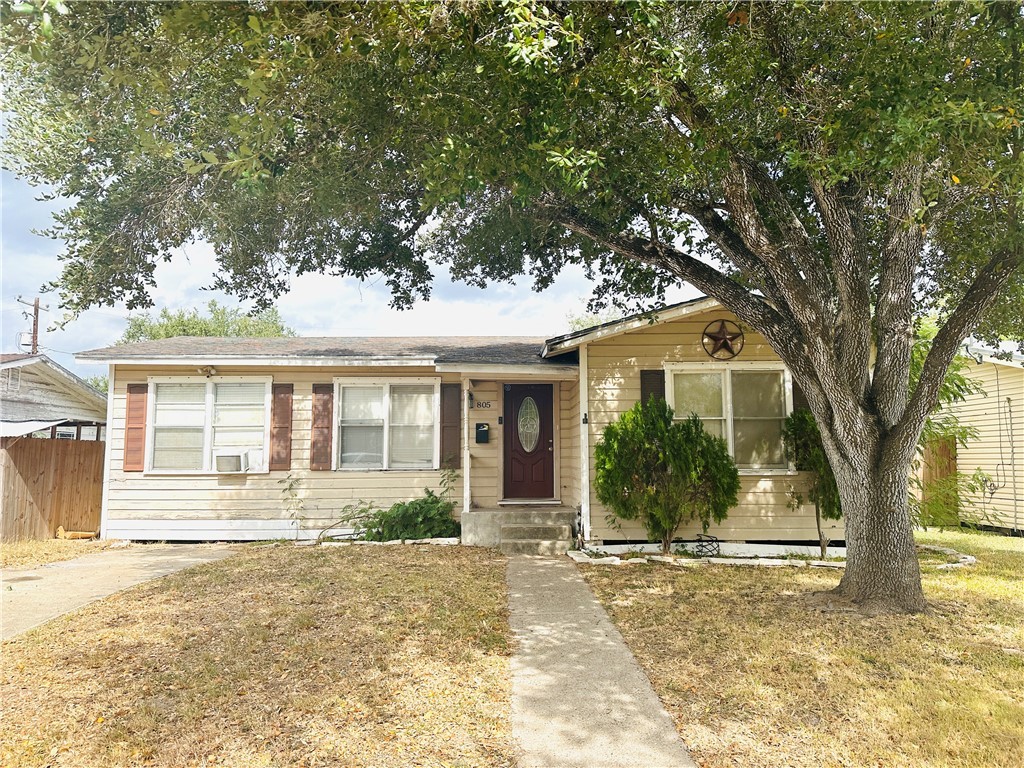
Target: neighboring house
x,y
997,414
207,435
48,483
38,396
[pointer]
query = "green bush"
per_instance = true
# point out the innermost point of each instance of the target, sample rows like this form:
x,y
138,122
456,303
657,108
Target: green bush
x,y
663,472
803,447
429,517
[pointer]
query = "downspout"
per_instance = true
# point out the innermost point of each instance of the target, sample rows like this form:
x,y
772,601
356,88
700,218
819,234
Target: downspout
x,y
584,385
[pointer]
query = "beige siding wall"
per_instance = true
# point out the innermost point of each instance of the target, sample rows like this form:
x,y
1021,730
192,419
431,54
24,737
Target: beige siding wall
x,y
614,366
486,477
324,494
998,416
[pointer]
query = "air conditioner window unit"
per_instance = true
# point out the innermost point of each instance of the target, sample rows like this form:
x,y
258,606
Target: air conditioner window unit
x,y
232,461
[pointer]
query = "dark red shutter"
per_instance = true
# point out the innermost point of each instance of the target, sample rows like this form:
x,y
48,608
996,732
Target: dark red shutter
x,y
652,383
323,426
451,426
281,426
135,428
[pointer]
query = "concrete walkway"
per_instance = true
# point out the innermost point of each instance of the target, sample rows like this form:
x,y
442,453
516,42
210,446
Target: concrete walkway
x,y
33,596
579,698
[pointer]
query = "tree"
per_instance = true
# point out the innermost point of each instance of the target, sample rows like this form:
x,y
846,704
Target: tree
x,y
217,321
804,448
826,170
662,472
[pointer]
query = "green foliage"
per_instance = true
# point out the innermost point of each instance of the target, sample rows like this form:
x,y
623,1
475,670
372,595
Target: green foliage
x,y
217,321
99,383
803,448
425,518
662,472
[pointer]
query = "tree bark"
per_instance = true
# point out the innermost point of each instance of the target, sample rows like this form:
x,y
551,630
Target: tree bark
x,y
882,572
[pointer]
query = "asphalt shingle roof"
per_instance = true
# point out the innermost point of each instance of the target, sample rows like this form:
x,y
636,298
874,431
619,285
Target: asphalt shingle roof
x,y
501,350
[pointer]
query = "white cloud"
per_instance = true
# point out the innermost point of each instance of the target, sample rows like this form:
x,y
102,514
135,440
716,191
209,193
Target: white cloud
x,y
316,306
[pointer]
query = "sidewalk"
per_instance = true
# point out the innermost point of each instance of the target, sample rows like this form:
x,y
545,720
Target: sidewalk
x,y
579,698
32,596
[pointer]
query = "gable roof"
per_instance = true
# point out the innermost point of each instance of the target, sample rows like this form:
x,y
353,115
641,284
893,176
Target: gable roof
x,y
72,387
559,345
327,350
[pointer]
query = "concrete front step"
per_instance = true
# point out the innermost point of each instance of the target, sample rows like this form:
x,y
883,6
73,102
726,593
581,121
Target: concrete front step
x,y
534,547
536,515
521,532
483,527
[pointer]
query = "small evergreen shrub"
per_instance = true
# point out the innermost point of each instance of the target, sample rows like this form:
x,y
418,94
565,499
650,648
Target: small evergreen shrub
x,y
803,447
664,473
429,517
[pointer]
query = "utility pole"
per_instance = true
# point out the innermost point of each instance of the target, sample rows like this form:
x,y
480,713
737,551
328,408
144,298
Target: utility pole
x,y
35,320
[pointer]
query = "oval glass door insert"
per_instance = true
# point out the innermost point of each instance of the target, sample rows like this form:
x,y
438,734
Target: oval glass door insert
x,y
528,424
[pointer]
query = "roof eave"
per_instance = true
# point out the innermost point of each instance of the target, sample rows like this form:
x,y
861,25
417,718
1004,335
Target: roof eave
x,y
570,341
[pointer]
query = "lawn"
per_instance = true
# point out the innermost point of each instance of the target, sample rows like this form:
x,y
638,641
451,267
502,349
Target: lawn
x,y
278,656
31,554
753,678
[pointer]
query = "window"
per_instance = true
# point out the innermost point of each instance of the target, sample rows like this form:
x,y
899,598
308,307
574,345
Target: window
x,y
745,405
194,421
388,425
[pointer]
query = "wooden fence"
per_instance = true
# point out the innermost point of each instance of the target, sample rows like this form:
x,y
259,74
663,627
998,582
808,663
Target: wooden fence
x,y
47,484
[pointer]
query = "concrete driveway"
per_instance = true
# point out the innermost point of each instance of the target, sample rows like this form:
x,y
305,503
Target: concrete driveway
x,y
32,596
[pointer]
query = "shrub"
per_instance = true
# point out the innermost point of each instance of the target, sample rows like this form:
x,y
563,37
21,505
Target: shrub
x,y
662,472
803,447
424,518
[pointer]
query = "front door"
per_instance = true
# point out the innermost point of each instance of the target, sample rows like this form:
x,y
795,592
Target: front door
x,y
529,442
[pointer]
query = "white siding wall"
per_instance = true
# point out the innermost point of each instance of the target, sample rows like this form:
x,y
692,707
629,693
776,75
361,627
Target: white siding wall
x,y
189,502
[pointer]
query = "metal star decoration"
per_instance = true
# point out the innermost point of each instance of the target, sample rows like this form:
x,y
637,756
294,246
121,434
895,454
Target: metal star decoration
x,y
722,339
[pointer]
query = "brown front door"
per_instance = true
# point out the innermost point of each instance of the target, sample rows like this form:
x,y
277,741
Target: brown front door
x,y
529,442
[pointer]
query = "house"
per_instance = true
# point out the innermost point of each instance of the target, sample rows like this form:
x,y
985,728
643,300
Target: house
x,y
217,438
39,396
996,499
51,449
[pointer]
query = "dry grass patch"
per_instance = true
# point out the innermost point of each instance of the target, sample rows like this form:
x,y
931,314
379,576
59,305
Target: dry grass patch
x,y
31,554
383,656
752,678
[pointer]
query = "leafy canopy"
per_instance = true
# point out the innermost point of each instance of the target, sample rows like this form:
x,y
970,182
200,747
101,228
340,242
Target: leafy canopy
x,y
218,320
662,472
304,137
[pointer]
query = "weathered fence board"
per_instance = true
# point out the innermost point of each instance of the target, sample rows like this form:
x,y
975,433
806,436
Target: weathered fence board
x,y
47,484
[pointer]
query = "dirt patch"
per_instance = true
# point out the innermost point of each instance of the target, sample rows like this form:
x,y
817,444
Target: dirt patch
x,y
384,656
32,554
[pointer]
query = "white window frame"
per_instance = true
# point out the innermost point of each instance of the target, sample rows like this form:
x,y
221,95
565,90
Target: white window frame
x,y
727,411
208,463
386,384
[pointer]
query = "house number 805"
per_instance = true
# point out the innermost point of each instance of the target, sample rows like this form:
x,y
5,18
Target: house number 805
x,y
483,404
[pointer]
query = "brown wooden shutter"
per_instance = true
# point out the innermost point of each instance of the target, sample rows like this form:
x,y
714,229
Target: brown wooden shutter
x,y
281,426
323,426
652,383
451,423
135,428
799,398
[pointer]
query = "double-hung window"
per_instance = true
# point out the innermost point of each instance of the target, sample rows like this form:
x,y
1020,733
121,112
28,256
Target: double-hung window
x,y
746,405
388,424
193,421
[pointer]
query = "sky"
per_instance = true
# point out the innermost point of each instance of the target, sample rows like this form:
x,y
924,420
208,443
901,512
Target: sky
x,y
316,305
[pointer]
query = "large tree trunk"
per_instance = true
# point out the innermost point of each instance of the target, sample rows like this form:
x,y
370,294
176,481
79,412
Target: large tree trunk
x,y
882,572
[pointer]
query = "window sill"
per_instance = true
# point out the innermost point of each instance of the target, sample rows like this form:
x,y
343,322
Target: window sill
x,y
200,473
769,472
381,469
